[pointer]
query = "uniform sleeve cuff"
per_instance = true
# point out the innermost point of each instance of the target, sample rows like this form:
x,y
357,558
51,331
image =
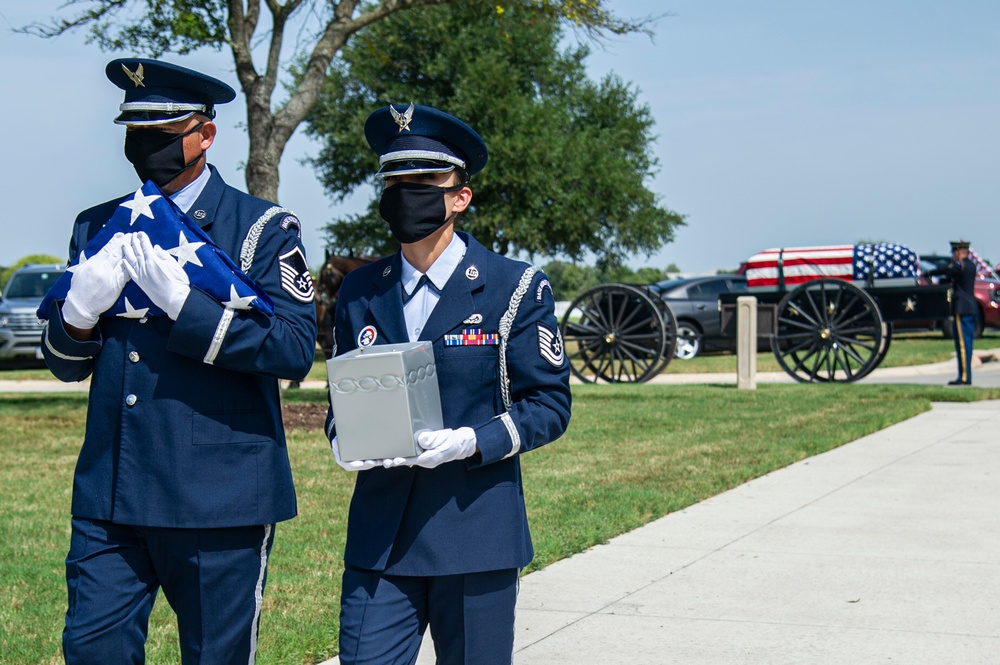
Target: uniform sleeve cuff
x,y
196,326
61,345
498,439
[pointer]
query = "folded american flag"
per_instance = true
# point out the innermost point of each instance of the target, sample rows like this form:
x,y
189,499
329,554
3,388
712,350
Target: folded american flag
x,y
798,265
207,266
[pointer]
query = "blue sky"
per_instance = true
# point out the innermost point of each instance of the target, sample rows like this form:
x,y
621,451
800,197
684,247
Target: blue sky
x,y
778,123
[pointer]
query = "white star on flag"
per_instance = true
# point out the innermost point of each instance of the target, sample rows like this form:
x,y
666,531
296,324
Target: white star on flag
x,y
236,301
131,312
139,205
186,252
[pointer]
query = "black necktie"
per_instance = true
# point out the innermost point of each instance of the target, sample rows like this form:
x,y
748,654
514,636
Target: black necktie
x,y
424,280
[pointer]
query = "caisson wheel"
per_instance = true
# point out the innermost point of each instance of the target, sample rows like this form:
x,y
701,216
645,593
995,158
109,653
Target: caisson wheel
x,y
618,333
829,330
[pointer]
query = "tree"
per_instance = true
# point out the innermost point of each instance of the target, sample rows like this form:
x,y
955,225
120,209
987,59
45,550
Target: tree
x,y
570,280
568,157
320,29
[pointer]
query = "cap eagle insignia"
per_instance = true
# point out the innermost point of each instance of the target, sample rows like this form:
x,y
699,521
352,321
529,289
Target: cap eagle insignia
x,y
136,77
402,119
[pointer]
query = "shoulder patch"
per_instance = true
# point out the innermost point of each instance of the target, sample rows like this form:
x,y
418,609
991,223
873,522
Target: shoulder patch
x,y
291,222
295,277
550,346
542,285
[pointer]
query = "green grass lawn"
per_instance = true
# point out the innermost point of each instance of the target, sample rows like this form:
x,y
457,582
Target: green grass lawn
x,y
665,448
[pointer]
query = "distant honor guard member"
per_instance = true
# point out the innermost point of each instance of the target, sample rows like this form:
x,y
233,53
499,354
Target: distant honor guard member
x,y
439,539
185,303
964,308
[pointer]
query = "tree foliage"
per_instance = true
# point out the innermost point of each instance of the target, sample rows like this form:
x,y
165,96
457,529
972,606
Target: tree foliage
x,y
316,29
569,157
569,280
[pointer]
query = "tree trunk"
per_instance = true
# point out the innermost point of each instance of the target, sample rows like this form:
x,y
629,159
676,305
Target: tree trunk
x,y
262,170
265,153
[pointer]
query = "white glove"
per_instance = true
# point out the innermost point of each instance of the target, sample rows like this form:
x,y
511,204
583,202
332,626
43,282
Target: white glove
x,y
359,465
157,273
96,284
443,445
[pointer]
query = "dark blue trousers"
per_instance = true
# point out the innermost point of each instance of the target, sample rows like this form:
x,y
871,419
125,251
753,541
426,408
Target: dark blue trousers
x,y
471,617
964,330
213,579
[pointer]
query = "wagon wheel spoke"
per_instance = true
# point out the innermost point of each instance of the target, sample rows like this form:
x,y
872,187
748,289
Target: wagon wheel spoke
x,y
814,372
801,362
804,344
854,341
801,312
848,350
596,313
636,359
846,364
802,325
860,316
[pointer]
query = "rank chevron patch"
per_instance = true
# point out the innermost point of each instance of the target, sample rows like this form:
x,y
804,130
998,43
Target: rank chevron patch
x,y
295,277
550,346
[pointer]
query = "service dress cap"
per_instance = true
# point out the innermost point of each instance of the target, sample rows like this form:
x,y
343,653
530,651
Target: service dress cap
x,y
159,92
959,244
421,139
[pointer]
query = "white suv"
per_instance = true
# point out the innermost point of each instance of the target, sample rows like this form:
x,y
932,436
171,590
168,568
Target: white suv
x,y
20,330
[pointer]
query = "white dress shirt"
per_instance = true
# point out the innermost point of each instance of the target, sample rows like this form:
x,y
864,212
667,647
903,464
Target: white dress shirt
x,y
417,307
187,195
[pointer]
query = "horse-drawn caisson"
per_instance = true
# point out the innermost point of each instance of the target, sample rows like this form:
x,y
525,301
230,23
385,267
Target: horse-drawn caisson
x,y
829,312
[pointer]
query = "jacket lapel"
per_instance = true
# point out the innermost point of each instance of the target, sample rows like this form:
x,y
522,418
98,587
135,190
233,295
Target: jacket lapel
x,y
386,305
205,209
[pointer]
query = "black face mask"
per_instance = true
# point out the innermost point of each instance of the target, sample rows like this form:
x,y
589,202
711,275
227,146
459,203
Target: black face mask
x,y
414,210
158,155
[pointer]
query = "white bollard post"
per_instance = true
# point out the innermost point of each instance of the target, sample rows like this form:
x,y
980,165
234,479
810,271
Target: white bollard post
x,y
746,342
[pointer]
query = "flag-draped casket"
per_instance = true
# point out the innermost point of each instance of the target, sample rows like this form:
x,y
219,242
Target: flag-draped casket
x,y
788,267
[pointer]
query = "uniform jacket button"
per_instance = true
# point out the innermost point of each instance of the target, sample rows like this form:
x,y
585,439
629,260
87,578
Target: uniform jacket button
x,y
133,356
131,400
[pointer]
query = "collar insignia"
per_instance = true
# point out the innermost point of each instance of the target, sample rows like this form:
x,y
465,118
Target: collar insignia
x,y
388,269
402,119
136,77
472,272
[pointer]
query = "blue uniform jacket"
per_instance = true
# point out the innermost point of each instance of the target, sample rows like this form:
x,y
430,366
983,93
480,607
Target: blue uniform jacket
x,y
182,432
962,274
467,515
